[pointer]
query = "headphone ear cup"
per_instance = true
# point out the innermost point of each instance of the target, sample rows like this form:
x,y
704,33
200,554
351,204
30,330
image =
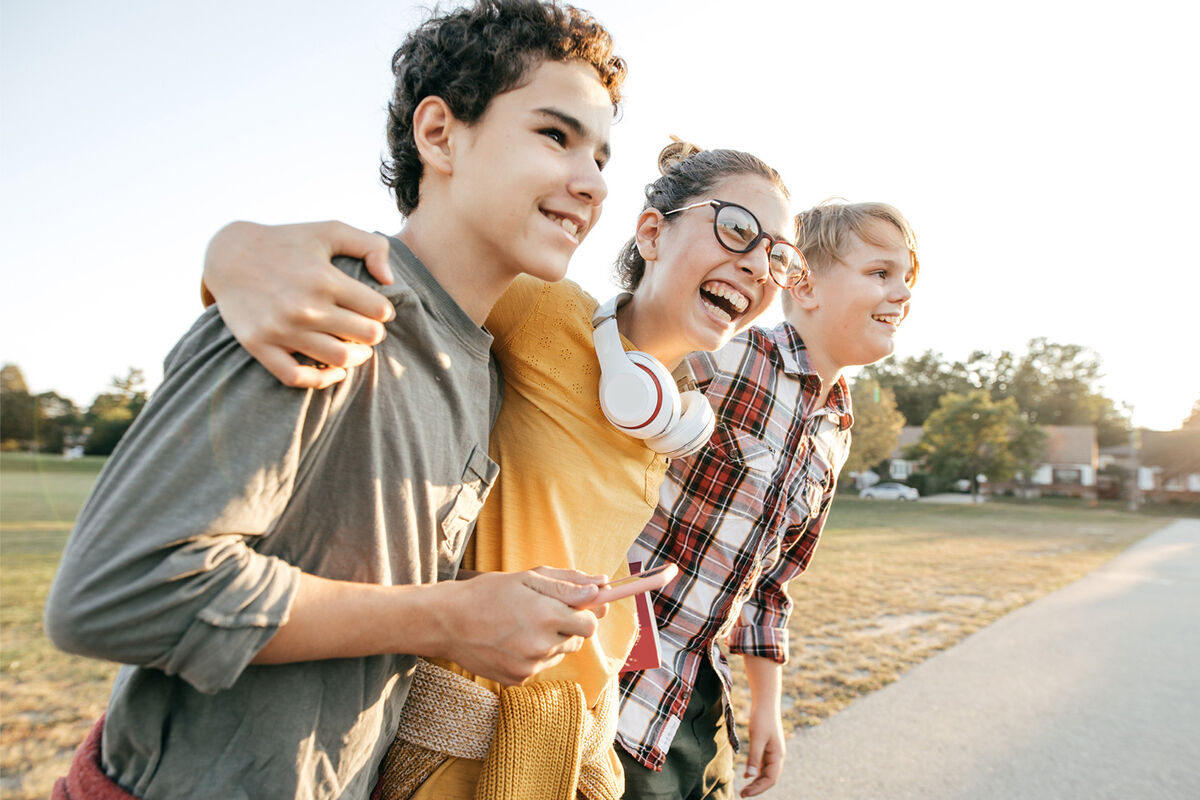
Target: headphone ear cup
x,y
637,393
662,409
694,429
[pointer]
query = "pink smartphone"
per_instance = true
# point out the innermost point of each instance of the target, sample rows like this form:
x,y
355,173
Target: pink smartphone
x,y
639,582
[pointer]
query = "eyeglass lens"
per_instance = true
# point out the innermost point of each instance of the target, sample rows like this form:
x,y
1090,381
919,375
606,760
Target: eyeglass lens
x,y
738,229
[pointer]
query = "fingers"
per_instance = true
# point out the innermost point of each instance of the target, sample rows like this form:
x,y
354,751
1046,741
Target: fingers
x,y
290,372
334,356
583,579
753,759
764,764
361,300
569,645
567,591
501,627
759,785
370,247
571,575
328,350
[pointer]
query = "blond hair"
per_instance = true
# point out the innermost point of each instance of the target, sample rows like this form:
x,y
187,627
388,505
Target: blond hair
x,y
823,233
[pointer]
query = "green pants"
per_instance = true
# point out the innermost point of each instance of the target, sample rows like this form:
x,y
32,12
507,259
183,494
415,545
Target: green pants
x,y
699,765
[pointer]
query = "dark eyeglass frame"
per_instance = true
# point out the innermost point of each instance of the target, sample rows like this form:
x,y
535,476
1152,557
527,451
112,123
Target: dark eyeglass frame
x,y
791,277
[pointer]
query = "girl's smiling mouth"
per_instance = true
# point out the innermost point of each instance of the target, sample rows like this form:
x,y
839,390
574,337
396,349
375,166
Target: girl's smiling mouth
x,y
723,300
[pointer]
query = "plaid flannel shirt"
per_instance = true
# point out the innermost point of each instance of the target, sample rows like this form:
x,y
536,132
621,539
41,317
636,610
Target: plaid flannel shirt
x,y
740,518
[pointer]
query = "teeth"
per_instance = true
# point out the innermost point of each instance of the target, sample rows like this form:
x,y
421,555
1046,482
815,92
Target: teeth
x,y
738,300
720,312
568,225
887,319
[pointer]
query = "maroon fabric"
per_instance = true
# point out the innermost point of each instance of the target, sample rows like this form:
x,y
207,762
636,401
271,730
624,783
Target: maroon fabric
x,y
86,779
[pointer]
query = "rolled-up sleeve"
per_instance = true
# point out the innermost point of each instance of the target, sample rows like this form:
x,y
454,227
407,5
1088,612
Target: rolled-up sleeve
x,y
161,570
761,629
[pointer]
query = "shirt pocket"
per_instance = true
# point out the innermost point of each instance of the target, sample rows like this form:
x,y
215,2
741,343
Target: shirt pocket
x,y
804,501
478,476
742,472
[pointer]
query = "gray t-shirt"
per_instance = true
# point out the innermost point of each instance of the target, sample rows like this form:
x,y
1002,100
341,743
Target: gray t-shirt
x,y
186,558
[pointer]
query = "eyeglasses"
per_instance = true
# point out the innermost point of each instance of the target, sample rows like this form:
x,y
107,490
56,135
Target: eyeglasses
x,y
739,231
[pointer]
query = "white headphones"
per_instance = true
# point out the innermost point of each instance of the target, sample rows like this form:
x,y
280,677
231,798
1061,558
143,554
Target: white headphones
x,y
639,396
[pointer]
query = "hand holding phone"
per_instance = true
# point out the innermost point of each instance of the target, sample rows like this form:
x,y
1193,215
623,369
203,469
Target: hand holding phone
x,y
644,581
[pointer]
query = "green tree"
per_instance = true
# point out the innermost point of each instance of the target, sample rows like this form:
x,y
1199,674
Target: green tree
x,y
1054,384
971,434
16,409
1058,384
918,382
877,425
58,421
112,413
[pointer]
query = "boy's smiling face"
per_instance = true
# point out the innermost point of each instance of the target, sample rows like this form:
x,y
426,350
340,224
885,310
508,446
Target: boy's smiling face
x,y
853,309
527,173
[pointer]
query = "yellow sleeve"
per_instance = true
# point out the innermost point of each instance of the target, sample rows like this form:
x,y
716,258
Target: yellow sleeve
x,y
206,296
514,307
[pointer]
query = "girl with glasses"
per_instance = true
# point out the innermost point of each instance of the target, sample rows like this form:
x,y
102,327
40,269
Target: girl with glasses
x,y
582,438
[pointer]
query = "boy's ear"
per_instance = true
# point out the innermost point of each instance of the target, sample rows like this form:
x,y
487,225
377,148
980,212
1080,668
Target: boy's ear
x,y
649,228
433,131
804,294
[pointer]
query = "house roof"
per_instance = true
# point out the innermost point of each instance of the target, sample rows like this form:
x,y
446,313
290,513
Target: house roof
x,y
1065,444
909,435
1070,444
1176,452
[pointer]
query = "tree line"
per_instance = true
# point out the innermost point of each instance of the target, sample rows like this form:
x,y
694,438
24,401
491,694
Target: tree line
x,y
984,415
49,422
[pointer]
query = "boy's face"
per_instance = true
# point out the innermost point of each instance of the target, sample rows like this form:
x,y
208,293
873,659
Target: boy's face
x,y
527,177
856,306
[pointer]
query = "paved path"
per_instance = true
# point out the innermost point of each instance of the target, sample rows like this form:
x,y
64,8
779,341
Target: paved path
x,y
1091,692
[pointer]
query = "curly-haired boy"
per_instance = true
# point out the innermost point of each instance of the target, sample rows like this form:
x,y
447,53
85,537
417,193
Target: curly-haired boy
x,y
268,625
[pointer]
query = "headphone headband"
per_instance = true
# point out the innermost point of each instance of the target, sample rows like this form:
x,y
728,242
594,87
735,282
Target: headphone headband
x,y
608,309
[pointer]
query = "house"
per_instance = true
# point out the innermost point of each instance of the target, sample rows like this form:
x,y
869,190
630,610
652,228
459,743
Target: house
x,y
1168,464
898,468
1069,464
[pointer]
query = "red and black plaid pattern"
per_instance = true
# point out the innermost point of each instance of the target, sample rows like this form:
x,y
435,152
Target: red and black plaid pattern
x,y
740,518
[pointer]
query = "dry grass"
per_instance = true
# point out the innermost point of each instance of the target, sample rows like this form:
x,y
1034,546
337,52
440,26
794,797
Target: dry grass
x,y
48,700
891,584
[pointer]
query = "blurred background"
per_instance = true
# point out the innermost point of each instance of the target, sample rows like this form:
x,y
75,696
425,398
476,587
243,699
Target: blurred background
x,y
1045,153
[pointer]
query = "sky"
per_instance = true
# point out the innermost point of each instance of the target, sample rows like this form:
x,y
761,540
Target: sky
x,y
1044,151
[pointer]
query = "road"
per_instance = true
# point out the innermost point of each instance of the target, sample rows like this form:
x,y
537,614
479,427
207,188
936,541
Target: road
x,y
1090,692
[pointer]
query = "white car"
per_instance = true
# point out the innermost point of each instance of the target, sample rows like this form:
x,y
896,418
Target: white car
x,y
889,491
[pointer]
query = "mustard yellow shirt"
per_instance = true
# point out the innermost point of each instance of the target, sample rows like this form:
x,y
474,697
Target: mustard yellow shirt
x,y
573,490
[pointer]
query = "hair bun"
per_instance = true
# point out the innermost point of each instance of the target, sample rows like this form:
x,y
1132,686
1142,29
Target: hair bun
x,y
677,151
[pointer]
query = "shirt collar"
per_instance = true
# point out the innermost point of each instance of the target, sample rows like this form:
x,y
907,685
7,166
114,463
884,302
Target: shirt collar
x,y
794,355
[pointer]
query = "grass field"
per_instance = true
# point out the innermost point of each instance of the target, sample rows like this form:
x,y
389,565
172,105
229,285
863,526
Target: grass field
x,y
891,584
47,699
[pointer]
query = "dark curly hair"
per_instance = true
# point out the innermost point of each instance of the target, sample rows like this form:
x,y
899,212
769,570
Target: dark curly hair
x,y
470,55
687,173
